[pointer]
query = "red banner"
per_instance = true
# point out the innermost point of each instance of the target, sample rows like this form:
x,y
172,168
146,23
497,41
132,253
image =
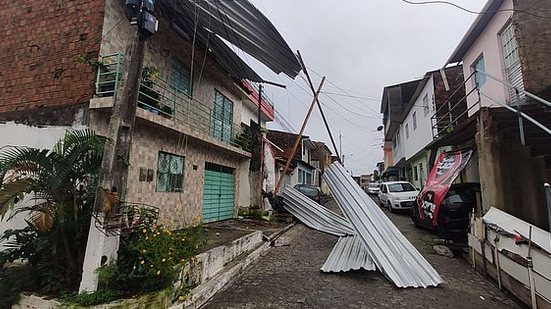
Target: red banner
x,y
448,166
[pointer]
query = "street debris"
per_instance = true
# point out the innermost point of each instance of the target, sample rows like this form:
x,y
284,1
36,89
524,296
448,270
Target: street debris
x,y
385,247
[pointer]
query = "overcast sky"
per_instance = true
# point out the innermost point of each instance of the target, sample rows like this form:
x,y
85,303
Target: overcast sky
x,y
360,46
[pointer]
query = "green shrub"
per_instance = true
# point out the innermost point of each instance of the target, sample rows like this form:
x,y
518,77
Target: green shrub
x,y
91,299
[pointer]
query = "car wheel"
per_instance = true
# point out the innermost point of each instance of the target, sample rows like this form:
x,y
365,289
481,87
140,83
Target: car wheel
x,y
414,218
390,208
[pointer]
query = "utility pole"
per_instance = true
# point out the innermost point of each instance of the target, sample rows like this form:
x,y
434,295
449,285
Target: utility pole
x,y
102,246
261,144
257,153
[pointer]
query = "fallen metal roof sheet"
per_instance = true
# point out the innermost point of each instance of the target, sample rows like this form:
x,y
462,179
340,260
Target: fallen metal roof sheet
x,y
314,215
240,23
348,254
391,252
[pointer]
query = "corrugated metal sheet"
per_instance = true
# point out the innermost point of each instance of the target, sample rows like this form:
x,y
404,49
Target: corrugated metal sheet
x,y
391,252
348,254
314,215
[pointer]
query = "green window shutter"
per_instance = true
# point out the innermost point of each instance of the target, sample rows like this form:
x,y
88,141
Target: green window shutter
x,y
179,78
222,117
170,172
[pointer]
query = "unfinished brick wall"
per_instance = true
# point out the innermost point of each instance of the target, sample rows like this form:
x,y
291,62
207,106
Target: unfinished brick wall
x,y
41,41
534,38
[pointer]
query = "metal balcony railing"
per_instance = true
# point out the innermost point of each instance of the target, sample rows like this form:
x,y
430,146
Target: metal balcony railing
x,y
159,97
107,80
454,110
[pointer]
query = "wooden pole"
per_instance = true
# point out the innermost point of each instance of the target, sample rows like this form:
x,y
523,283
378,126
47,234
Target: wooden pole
x,y
319,105
299,137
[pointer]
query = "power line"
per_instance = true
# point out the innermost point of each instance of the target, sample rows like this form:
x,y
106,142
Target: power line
x,y
350,111
471,11
353,96
345,92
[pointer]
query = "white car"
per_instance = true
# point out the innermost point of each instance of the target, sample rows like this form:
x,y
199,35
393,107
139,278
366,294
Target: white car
x,y
397,195
373,188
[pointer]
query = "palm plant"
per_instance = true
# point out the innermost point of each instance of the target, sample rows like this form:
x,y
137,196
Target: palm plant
x,y
58,188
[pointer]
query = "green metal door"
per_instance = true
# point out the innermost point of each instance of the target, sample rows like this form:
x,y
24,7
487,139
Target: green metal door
x,y
219,193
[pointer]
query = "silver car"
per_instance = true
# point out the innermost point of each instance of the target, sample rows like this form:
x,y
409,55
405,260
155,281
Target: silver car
x,y
373,188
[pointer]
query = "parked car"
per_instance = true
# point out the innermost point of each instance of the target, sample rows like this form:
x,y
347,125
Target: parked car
x,y
310,191
397,195
453,214
373,188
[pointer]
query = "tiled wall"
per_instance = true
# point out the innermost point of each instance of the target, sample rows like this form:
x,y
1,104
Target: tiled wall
x,y
177,208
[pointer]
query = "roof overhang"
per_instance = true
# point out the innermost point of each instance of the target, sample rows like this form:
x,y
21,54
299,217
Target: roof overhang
x,y
240,23
487,13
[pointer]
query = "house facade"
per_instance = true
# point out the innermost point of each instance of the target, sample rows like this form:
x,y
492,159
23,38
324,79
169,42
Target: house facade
x,y
191,143
301,170
411,132
501,56
321,160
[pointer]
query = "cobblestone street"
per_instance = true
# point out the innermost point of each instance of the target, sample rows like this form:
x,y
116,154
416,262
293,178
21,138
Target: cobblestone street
x,y
288,276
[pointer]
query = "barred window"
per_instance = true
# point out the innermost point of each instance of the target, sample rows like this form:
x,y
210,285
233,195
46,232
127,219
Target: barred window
x,y
170,172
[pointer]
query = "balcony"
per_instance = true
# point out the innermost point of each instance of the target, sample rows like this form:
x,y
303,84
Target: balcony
x,y
162,104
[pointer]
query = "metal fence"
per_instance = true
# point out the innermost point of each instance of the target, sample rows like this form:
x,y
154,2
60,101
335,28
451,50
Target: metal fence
x,y
159,97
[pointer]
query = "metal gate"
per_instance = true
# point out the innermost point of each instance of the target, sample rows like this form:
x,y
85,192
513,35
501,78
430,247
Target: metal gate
x,y
219,193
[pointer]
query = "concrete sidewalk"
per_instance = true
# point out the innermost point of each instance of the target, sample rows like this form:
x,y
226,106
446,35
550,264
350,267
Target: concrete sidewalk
x,y
288,276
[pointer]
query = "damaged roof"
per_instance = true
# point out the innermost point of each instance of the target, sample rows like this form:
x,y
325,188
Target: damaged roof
x,y
240,23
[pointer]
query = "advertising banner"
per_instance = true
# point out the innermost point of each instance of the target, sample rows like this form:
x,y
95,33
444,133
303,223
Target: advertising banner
x,y
447,167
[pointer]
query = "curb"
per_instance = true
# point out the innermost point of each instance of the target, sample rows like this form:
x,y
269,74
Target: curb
x,y
204,292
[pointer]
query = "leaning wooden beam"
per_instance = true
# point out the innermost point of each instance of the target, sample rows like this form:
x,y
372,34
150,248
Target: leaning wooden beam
x,y
299,137
305,70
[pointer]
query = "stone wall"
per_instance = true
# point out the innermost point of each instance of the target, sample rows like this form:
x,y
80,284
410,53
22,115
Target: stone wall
x,y
41,41
533,35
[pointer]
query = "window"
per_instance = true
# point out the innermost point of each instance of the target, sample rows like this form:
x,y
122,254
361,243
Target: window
x,y
510,47
300,176
179,78
398,137
479,76
426,104
407,130
400,187
222,117
170,172
309,178
414,116
415,174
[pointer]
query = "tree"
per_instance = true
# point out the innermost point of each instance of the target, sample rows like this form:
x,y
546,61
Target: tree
x,y
58,188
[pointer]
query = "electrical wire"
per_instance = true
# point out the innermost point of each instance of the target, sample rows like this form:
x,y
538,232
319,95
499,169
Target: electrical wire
x,y
471,11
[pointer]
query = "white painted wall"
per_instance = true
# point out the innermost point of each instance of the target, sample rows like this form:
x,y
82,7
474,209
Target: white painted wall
x,y
422,135
22,135
488,44
398,152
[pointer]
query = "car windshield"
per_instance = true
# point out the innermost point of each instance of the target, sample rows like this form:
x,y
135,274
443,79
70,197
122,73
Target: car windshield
x,y
400,187
373,185
309,191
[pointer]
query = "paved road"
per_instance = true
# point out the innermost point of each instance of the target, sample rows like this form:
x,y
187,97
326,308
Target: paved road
x,y
288,276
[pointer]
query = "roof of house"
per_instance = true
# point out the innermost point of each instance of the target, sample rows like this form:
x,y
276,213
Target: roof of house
x,y
285,141
477,27
241,24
